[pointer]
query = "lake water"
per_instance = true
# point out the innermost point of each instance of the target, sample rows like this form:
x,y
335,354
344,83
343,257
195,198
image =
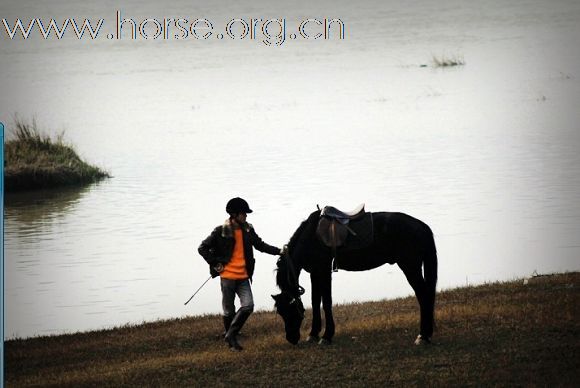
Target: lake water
x,y
485,153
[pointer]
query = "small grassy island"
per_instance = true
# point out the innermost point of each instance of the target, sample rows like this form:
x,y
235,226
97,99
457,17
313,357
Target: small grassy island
x,y
444,61
36,161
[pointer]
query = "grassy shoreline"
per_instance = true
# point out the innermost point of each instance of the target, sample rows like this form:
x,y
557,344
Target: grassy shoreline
x,y
496,334
34,161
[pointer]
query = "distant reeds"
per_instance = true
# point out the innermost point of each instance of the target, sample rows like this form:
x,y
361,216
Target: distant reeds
x,y
34,160
446,61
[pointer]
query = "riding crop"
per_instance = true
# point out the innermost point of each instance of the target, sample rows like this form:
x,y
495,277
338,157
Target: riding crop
x,y
200,287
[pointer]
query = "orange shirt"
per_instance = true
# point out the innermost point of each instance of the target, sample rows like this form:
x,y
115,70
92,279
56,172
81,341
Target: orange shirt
x,y
236,268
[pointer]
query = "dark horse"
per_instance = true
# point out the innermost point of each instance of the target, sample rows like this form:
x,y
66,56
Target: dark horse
x,y
397,238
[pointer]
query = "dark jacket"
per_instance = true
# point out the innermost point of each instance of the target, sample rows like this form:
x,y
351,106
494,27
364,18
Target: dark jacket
x,y
218,247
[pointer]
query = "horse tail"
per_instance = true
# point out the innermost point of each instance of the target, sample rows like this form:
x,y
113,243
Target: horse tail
x,y
430,270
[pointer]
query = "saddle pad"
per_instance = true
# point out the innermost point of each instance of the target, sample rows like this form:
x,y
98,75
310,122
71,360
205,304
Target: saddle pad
x,y
364,229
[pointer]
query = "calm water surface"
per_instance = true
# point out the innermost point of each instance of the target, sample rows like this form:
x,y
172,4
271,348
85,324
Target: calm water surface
x,y
485,153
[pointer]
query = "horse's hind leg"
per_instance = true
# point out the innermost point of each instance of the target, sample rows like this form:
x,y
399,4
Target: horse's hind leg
x,y
415,279
316,318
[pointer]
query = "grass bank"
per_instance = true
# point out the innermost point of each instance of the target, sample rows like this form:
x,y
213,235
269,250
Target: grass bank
x,y
35,161
503,334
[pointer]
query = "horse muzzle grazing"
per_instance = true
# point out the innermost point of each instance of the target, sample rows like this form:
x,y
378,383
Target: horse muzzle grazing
x,y
292,335
291,310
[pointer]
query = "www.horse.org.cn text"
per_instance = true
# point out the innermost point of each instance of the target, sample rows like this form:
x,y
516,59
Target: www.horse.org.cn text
x,y
273,31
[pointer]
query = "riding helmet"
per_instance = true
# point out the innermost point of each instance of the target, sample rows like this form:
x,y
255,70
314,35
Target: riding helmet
x,y
237,205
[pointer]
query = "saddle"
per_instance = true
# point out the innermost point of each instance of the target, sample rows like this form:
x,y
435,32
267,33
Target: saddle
x,y
343,217
349,231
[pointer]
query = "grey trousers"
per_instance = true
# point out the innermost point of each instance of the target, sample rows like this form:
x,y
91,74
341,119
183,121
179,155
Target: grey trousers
x,y
231,288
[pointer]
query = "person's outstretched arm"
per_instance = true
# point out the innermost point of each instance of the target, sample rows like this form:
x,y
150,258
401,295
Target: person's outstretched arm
x,y
261,245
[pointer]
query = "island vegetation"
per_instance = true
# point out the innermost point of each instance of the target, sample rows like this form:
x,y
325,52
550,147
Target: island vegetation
x,y
33,160
448,61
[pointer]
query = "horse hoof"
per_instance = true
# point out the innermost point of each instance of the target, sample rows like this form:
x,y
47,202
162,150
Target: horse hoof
x,y
420,340
312,339
324,341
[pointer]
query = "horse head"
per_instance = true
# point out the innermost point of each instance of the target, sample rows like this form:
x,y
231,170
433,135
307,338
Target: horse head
x,y
292,312
288,303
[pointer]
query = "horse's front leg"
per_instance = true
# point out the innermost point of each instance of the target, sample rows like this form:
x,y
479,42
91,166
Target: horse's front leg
x,y
316,318
326,289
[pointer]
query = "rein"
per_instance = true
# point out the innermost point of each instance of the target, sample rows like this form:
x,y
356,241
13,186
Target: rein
x,y
296,302
291,276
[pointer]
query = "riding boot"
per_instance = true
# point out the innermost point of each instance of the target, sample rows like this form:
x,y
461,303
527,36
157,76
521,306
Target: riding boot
x,y
227,322
235,327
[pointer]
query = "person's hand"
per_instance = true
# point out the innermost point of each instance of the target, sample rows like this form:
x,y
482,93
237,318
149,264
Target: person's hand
x,y
284,250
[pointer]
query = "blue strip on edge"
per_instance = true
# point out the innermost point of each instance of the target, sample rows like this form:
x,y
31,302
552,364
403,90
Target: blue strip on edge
x,y
2,255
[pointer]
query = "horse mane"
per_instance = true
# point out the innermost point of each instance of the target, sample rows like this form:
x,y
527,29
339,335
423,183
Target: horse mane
x,y
296,241
308,222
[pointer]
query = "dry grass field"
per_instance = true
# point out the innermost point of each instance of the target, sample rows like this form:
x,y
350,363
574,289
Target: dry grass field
x,y
501,334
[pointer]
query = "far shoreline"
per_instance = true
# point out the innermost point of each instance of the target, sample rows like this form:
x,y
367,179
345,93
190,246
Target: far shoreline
x,y
524,280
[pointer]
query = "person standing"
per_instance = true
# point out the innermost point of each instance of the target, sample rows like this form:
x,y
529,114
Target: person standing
x,y
229,252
